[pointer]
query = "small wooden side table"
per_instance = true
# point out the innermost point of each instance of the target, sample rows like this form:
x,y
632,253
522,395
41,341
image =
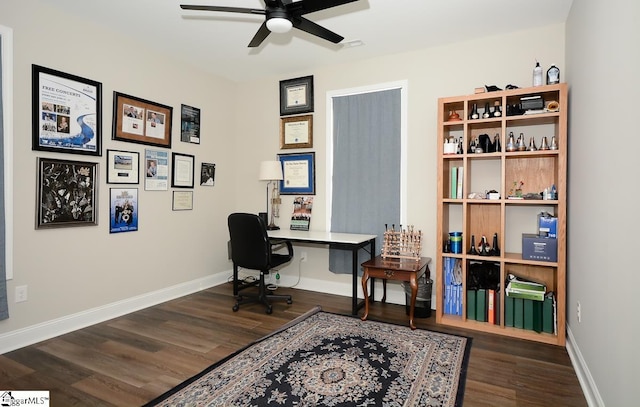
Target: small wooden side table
x,y
394,269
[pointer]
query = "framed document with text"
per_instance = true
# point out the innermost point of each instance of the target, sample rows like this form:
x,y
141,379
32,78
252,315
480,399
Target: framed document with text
x,y
299,174
296,96
296,132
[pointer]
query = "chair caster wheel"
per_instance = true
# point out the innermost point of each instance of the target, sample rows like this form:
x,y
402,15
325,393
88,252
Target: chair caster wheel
x,y
235,308
269,310
289,301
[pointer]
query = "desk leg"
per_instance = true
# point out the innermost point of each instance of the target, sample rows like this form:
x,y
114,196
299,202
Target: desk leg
x,y
414,293
354,282
365,277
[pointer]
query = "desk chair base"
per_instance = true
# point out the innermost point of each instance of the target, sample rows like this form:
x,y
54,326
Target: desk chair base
x,y
262,297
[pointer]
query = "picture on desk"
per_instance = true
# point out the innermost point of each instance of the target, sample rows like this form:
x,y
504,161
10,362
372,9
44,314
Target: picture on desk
x,y
301,217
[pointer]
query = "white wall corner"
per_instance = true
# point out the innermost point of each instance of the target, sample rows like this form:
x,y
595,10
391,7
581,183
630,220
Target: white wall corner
x,y
587,383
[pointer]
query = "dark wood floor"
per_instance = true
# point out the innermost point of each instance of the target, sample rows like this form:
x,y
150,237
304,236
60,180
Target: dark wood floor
x,y
132,359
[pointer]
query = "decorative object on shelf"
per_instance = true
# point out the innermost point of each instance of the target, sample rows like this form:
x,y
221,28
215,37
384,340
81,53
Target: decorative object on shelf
x,y
497,109
520,145
492,88
473,250
487,111
456,242
495,250
497,147
516,190
296,95
544,145
553,75
537,75
140,121
474,112
67,193
453,116
301,216
511,144
402,243
485,142
532,145
271,171
554,143
64,119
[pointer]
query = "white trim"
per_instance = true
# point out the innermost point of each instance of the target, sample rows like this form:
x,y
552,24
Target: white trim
x,y
6,37
33,334
589,388
403,85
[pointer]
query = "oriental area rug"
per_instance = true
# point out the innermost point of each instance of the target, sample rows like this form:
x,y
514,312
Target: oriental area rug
x,y
324,359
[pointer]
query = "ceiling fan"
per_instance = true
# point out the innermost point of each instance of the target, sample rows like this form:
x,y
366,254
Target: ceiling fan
x,y
282,15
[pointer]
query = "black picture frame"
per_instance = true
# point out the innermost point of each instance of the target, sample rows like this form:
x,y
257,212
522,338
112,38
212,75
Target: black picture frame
x,y
182,166
67,193
137,120
66,112
296,95
189,124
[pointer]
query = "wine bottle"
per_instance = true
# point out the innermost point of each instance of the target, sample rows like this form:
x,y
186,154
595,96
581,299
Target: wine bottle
x,y
474,112
487,113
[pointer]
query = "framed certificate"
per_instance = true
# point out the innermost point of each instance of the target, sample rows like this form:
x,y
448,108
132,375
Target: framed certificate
x,y
299,174
296,132
296,96
182,170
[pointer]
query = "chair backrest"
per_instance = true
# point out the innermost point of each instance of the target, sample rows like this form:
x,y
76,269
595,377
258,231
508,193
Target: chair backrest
x,y
250,246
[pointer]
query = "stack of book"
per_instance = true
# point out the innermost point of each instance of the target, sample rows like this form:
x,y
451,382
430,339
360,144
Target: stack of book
x,y
529,306
455,190
483,305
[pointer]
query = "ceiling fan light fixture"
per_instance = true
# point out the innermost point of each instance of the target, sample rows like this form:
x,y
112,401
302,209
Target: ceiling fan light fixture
x,y
279,25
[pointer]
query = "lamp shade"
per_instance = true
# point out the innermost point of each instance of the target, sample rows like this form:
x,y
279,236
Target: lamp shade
x,y
279,25
270,171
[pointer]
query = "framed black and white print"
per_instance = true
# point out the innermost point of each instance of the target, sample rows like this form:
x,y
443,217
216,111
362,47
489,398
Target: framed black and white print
x,y
66,113
67,193
123,167
296,96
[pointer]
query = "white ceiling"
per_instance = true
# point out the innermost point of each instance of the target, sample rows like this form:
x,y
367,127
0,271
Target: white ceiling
x,y
217,42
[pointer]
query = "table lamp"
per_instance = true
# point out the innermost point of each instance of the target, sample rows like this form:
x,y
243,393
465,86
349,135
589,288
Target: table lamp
x,y
271,171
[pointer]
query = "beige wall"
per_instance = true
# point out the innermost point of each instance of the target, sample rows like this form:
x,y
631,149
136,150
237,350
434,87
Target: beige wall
x,y
71,270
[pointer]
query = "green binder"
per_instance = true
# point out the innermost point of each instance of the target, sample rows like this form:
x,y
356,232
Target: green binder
x,y
471,304
528,314
518,313
547,313
537,316
481,305
508,310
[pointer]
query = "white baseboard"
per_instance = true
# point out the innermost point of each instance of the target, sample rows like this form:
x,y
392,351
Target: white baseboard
x,y
36,333
587,383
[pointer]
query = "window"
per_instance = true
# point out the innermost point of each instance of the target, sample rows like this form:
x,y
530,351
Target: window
x,y
366,164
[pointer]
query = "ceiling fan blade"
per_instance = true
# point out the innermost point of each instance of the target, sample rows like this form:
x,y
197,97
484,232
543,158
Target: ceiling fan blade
x,y
309,26
309,6
262,33
227,9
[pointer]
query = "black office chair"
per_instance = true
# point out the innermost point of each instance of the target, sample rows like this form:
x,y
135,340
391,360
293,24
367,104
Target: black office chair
x,y
252,249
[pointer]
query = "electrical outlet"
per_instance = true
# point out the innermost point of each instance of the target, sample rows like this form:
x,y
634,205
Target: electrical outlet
x,y
303,256
21,293
579,312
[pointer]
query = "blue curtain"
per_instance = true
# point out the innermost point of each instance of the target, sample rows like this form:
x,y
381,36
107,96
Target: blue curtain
x,y
366,169
4,309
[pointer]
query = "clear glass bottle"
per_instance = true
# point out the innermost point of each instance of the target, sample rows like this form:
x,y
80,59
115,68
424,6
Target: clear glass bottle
x,y
537,75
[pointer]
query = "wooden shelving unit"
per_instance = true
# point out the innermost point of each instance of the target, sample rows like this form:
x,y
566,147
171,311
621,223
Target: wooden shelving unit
x,y
509,218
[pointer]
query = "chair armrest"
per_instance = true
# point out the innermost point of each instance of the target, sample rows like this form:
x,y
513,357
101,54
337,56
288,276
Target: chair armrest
x,y
283,242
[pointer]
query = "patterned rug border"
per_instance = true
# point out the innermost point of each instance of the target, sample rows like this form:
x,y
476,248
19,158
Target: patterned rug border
x,y
463,368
